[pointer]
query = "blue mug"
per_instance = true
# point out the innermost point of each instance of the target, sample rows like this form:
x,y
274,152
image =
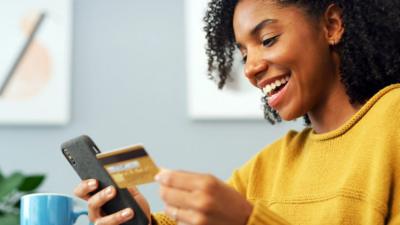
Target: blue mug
x,y
48,209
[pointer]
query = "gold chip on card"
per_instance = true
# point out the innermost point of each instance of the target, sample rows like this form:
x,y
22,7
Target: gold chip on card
x,y
129,166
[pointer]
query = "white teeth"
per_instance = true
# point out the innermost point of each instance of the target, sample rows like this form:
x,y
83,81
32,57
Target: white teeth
x,y
270,87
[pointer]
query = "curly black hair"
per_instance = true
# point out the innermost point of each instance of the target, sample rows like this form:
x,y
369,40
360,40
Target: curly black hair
x,y
369,48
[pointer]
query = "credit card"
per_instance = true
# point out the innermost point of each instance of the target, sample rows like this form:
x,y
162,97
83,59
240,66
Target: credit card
x,y
129,166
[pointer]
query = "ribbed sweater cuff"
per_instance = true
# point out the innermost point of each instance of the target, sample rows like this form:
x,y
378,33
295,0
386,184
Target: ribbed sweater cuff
x,y
262,215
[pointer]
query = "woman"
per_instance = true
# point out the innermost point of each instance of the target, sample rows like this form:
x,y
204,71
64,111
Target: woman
x,y
334,62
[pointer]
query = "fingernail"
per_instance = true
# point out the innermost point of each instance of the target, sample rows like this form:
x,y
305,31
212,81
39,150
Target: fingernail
x,y
160,176
126,213
157,177
92,184
109,190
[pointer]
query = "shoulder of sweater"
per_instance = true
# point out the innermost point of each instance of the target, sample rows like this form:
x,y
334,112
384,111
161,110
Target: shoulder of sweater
x,y
392,96
388,106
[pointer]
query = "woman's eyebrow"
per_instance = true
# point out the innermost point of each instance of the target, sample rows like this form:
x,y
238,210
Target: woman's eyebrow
x,y
261,25
257,29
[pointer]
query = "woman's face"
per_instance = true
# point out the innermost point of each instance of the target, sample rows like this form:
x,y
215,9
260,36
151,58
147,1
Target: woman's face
x,y
286,54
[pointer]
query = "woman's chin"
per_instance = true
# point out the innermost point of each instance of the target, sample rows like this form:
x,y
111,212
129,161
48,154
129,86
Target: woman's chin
x,y
287,115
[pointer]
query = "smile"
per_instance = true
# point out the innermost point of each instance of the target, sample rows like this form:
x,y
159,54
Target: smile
x,y
275,86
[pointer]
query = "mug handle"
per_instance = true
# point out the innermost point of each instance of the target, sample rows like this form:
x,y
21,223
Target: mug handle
x,y
82,209
78,214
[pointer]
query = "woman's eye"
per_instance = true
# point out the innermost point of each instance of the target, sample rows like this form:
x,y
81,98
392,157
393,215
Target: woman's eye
x,y
270,41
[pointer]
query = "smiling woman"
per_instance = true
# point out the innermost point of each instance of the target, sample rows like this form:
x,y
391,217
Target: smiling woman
x,y
335,62
350,45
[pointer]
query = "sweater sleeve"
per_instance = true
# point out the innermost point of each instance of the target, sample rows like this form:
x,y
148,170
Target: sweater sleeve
x,y
262,215
160,218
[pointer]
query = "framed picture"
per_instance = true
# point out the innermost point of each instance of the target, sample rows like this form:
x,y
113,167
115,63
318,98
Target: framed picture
x,y
35,61
238,99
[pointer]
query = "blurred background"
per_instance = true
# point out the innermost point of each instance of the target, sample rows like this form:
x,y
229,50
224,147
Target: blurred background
x,y
129,85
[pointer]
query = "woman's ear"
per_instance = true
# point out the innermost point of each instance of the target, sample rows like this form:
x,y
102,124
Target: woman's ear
x,y
333,24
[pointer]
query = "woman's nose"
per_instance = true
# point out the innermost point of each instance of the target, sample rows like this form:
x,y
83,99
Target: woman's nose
x,y
255,67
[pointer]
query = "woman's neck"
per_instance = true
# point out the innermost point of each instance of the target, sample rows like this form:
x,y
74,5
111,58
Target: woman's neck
x,y
334,110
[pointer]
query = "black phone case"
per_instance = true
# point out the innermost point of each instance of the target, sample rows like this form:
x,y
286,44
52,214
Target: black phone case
x,y
81,154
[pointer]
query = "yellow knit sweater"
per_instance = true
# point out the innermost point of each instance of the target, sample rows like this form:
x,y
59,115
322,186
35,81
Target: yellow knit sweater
x,y
347,176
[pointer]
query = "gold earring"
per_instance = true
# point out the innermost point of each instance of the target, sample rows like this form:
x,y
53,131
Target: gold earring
x,y
334,42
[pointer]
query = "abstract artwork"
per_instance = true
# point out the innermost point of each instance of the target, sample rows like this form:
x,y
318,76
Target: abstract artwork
x,y
35,62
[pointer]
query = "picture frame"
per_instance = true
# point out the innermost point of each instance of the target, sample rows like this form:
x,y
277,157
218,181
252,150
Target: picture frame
x,y
35,62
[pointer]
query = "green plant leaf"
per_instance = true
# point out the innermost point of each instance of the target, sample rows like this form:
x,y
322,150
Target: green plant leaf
x,y
11,183
1,176
11,187
9,219
30,183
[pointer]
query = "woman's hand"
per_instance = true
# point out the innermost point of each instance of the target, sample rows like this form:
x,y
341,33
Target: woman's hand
x,y
199,199
100,198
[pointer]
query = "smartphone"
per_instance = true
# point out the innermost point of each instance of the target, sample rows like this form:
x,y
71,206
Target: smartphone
x,y
81,154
